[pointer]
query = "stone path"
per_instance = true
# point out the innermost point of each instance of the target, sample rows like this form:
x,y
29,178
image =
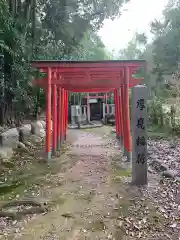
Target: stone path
x,y
86,196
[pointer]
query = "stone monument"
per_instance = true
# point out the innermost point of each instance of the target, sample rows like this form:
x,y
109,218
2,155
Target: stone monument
x,y
139,135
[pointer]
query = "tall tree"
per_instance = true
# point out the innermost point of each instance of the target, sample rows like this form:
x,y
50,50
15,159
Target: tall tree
x,y
166,44
41,29
91,47
134,48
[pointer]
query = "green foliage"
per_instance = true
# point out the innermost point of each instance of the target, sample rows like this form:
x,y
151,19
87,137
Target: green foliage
x,y
131,52
155,111
40,29
134,48
166,44
165,56
90,48
163,65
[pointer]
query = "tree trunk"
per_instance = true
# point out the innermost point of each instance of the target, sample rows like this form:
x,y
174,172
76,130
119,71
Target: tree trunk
x,y
173,112
1,90
37,109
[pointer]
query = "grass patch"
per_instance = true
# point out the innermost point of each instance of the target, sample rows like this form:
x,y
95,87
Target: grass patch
x,y
104,130
87,197
120,171
55,202
155,132
96,225
28,172
123,172
123,207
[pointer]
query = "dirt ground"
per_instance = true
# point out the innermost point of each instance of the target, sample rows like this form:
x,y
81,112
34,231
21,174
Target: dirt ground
x,y
92,197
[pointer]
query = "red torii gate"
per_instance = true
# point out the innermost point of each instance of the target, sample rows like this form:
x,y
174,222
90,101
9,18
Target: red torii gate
x,y
86,76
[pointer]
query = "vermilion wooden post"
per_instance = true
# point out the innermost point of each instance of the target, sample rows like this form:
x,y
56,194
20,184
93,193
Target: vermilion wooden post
x,y
126,117
61,137
116,109
116,113
65,113
123,116
66,125
54,144
48,116
121,113
62,117
59,118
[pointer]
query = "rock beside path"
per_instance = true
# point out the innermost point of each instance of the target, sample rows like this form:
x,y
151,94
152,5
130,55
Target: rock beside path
x,y
24,133
9,138
169,173
5,153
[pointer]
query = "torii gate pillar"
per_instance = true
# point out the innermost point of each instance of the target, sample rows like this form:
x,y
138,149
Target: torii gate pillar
x,y
126,117
48,116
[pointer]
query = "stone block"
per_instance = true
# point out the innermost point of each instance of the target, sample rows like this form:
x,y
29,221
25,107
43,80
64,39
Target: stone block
x,y
40,124
24,133
9,138
43,123
35,128
169,173
22,148
35,139
5,153
42,133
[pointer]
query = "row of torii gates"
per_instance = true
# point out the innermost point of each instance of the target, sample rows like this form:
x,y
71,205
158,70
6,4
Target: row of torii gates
x,y
86,76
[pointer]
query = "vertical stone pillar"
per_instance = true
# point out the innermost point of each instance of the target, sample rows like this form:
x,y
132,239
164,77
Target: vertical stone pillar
x,y
107,106
72,115
112,109
48,116
84,114
76,115
139,135
104,113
